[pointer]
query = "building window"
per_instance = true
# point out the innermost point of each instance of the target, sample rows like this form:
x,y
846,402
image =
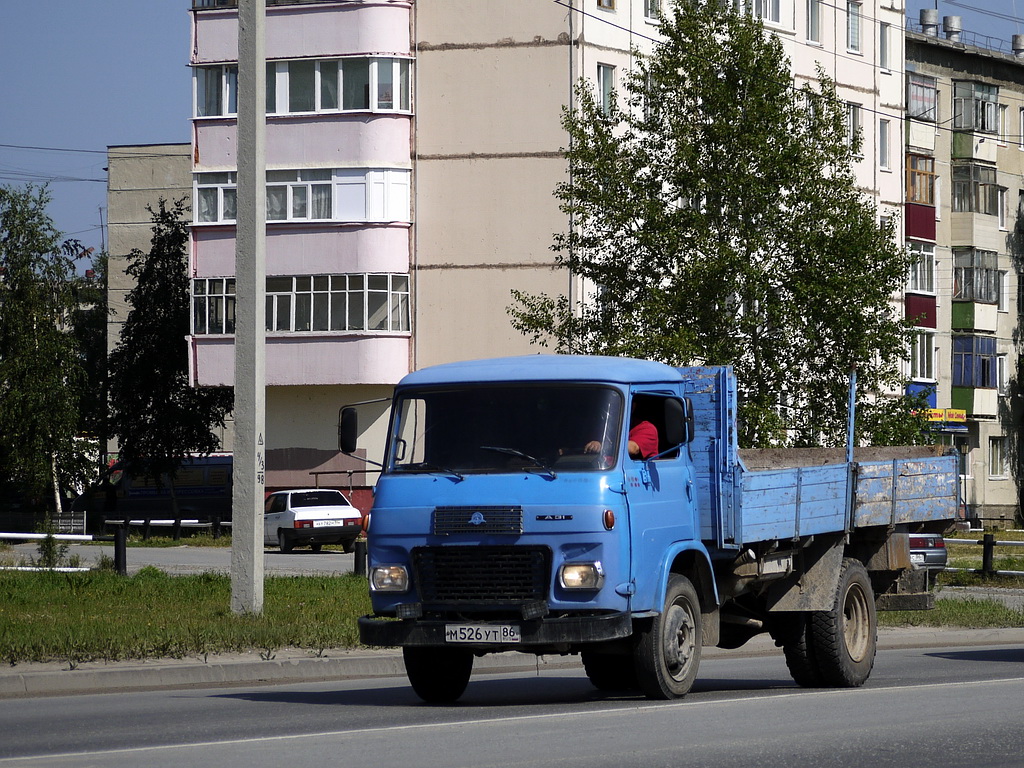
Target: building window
x,y
975,106
216,90
921,179
608,5
213,305
922,356
853,124
215,196
922,97
310,303
975,275
1001,206
853,25
883,144
605,87
997,457
814,21
974,362
974,189
1003,300
313,86
312,194
1001,373
883,46
768,10
1003,123
922,268
652,10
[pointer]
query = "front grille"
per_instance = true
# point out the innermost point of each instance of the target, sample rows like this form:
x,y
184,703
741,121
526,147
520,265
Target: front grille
x,y
448,520
496,575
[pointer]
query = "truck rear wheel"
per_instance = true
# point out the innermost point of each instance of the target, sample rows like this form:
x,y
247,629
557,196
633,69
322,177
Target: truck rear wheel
x,y
667,652
844,638
803,667
438,675
610,672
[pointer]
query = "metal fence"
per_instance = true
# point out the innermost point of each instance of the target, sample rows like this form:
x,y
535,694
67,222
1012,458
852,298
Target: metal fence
x,y
119,540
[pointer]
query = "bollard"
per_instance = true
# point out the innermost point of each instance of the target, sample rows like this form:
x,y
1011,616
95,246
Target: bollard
x,y
215,526
121,550
360,554
988,553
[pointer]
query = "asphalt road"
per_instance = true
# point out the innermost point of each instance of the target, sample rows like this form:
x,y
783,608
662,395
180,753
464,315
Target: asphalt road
x,y
948,707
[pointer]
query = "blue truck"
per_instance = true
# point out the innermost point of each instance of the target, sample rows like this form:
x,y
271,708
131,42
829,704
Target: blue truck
x,y
514,513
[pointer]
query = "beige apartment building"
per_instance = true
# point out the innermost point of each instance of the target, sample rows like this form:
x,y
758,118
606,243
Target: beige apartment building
x,y
965,160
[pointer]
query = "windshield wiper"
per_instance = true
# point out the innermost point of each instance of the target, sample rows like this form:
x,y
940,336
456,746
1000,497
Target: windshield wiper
x,y
425,466
513,452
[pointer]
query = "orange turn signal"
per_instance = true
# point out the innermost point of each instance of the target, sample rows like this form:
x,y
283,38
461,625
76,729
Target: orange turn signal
x,y
609,519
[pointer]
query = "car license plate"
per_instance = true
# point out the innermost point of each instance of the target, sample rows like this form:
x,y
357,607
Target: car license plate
x,y
915,558
481,633
325,523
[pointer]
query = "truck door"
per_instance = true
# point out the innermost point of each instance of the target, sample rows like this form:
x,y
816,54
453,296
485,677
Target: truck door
x,y
659,494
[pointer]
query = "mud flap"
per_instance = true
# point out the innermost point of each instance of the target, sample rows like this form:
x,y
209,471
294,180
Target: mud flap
x,y
812,586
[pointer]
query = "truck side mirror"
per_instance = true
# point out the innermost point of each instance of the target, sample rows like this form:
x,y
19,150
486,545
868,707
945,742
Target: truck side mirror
x,y
348,428
678,421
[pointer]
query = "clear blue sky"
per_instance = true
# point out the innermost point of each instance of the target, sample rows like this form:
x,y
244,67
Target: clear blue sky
x,y
80,75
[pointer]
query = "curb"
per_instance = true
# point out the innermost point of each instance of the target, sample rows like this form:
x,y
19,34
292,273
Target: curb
x,y
297,666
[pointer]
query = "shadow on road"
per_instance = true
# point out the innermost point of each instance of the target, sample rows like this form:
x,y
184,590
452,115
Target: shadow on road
x,y
496,693
991,654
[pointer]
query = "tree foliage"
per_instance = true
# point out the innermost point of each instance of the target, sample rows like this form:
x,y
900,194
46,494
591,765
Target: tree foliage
x,y
715,219
41,374
156,415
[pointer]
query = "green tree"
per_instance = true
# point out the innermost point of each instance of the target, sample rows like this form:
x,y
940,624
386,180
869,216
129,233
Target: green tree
x,y
41,376
155,413
715,218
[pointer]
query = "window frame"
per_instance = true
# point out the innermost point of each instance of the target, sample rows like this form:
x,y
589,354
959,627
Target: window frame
x,y
975,188
922,268
280,78
605,86
975,106
975,275
813,26
974,361
922,97
921,179
922,355
854,26
296,302
998,468
383,193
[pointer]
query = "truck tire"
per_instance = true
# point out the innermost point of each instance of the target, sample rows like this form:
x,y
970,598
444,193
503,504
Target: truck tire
x,y
610,672
667,650
803,667
438,675
843,640
284,544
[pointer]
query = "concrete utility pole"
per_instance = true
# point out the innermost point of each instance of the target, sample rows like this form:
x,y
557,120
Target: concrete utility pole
x,y
250,311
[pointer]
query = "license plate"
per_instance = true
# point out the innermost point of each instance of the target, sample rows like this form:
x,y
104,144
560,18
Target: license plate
x,y
481,633
326,523
915,558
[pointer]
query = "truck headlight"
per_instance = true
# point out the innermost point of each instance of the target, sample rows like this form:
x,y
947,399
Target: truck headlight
x,y
581,576
389,578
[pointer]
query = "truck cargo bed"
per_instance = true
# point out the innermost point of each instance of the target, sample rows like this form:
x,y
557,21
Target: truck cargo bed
x,y
762,495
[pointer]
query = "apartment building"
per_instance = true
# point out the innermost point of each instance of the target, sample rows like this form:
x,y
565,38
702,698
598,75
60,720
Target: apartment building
x,y
964,165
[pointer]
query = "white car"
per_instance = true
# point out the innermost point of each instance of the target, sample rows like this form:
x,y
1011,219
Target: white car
x,y
313,516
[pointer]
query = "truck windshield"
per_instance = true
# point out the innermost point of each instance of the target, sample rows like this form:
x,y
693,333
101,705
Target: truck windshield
x,y
495,429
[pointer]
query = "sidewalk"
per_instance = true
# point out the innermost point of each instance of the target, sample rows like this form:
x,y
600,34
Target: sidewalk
x,y
296,666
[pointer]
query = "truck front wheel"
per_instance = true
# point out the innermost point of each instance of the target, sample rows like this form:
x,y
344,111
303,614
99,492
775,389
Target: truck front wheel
x,y
667,651
438,675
